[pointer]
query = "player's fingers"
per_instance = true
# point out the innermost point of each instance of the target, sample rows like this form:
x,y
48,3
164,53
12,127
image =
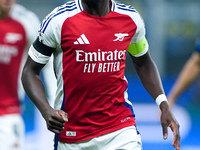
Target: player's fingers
x,y
176,139
63,115
176,142
165,131
55,122
55,129
55,126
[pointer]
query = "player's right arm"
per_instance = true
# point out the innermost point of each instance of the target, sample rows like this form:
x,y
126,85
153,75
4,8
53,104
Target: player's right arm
x,y
39,55
34,88
187,76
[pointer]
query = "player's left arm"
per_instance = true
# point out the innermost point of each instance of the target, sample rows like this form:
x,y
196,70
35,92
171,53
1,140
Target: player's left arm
x,y
150,78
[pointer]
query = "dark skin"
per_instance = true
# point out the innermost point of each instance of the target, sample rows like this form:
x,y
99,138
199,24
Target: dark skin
x,y
94,7
145,67
149,76
55,119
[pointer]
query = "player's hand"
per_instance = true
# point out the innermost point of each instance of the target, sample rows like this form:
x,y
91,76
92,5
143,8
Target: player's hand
x,y
168,120
55,120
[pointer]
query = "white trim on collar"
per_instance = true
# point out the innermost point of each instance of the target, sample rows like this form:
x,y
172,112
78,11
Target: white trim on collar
x,y
113,5
79,5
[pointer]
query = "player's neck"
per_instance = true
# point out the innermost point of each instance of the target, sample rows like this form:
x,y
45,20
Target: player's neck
x,y
97,7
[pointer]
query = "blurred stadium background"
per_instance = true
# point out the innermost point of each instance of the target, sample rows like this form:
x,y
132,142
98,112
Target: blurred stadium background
x,y
172,29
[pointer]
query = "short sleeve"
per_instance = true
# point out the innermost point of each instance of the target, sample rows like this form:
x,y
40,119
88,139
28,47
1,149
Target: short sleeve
x,y
41,50
48,29
139,44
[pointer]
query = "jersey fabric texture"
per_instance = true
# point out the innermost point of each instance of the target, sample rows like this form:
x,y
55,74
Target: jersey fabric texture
x,y
15,31
89,62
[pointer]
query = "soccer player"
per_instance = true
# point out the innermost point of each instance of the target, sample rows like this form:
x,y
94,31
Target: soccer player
x,y
18,28
89,40
187,76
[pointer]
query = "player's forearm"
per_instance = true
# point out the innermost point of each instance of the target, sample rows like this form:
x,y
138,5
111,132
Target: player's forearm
x,y
150,78
35,90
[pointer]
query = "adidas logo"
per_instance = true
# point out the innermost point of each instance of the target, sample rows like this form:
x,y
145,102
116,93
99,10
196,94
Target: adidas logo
x,y
82,40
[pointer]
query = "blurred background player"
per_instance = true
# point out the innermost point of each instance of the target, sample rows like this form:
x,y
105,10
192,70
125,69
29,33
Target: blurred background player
x,y
18,27
187,76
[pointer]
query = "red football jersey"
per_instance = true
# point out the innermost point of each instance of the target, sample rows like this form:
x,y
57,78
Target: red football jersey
x,y
89,60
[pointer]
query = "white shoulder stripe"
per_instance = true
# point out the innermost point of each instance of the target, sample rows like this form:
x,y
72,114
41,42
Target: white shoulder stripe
x,y
70,6
79,4
122,6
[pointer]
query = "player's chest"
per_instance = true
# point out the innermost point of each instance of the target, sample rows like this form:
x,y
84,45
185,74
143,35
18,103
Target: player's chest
x,y
92,34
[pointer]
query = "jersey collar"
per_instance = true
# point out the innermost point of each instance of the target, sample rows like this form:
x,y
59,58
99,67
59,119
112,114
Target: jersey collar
x,y
113,5
79,5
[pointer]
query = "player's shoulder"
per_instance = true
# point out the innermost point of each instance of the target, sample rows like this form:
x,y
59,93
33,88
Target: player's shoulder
x,y
59,14
128,10
66,9
124,8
